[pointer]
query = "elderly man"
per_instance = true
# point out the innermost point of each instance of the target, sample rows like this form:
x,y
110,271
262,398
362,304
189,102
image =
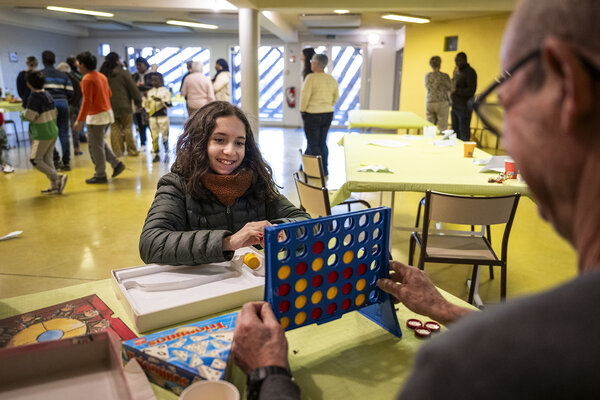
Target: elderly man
x,y
542,346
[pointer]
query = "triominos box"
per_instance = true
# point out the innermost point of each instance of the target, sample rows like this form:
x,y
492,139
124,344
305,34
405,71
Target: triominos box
x,y
176,358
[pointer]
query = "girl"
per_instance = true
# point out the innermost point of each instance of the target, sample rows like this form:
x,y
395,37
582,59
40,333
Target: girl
x,y
219,196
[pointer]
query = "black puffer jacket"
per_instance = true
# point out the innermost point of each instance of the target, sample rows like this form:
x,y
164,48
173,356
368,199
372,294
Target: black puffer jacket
x,y
182,230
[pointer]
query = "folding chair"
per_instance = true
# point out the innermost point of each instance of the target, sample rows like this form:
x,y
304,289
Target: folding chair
x,y
453,246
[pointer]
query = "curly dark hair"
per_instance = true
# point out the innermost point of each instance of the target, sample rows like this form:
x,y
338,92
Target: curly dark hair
x,y
192,152
111,61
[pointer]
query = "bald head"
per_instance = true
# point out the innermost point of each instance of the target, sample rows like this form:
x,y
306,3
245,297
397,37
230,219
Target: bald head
x,y
574,21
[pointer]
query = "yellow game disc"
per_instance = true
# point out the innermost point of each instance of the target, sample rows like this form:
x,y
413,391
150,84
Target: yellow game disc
x,y
317,264
301,285
300,302
300,318
348,257
251,260
360,285
360,299
316,297
332,292
285,322
284,272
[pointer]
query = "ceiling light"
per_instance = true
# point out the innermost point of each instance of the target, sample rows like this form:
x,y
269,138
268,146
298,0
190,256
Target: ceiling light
x,y
341,11
78,11
373,38
192,24
406,18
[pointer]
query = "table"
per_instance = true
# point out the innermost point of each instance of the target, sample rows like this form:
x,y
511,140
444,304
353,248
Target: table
x,y
386,120
13,108
416,167
350,358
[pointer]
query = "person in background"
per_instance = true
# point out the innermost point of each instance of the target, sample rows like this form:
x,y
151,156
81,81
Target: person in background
x,y
319,95
542,346
5,164
156,102
124,93
72,61
438,85
219,195
41,114
197,89
154,68
97,113
73,113
142,79
464,85
222,80
74,104
307,56
59,86
189,65
22,89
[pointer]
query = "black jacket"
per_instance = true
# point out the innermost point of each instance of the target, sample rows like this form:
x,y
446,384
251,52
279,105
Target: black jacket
x,y
464,87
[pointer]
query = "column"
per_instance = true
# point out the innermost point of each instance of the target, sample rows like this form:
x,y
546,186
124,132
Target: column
x,y
249,32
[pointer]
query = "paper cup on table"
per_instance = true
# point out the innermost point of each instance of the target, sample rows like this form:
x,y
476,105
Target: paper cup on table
x,y
469,148
210,390
510,169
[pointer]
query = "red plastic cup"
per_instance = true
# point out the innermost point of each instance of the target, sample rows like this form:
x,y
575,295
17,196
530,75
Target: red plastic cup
x,y
510,169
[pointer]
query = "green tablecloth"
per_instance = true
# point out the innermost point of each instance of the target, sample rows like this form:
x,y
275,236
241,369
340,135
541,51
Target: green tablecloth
x,y
418,166
385,119
349,358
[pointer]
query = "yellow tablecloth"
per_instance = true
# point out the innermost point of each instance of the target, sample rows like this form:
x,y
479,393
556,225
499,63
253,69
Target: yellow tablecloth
x,y
11,107
418,166
349,358
385,119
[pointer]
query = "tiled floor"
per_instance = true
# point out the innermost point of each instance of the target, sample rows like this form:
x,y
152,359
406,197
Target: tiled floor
x,y
91,229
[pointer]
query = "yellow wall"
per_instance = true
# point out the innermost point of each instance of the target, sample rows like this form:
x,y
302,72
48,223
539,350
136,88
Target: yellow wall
x,y
479,38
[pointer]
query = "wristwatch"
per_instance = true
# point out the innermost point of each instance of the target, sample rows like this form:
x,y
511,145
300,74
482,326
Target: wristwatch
x,y
257,376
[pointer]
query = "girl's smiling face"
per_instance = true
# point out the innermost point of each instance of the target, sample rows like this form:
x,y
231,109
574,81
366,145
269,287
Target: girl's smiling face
x,y
227,145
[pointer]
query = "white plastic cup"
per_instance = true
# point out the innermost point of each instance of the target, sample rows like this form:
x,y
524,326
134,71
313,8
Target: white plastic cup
x,y
210,390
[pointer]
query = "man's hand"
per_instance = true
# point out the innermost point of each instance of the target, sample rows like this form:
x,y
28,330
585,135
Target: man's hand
x,y
252,233
258,340
415,290
77,126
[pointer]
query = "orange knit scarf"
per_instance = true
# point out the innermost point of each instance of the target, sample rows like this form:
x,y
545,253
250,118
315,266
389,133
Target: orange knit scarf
x,y
228,188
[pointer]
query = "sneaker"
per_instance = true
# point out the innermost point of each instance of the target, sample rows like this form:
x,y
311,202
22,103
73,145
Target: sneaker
x,y
8,169
50,191
62,182
78,152
156,158
65,167
118,169
95,179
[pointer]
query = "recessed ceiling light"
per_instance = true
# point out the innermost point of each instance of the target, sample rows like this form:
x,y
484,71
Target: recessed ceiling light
x,y
406,18
78,11
341,11
192,24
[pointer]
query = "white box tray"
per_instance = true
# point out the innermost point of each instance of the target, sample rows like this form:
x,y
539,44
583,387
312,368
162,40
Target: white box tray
x,y
156,296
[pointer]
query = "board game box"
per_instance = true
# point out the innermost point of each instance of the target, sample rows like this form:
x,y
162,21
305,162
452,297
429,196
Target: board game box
x,y
73,318
323,268
176,358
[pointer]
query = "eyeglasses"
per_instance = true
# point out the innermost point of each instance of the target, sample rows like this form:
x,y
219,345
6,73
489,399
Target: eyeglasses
x,y
492,113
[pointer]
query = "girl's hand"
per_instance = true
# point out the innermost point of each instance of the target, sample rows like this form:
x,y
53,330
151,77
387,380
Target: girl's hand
x,y
252,233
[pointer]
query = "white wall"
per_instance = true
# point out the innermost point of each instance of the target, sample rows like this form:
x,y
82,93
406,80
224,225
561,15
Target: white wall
x,y
29,42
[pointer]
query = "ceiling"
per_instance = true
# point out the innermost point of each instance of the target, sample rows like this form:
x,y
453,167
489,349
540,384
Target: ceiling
x,y
285,18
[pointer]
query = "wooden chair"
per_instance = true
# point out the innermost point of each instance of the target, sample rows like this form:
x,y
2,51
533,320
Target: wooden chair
x,y
454,246
315,200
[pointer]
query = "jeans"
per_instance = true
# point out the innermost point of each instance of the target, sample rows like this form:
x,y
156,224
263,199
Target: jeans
x,y
142,126
316,127
63,129
461,123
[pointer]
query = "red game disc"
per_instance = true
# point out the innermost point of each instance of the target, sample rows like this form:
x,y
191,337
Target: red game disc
x,y
422,333
432,326
414,323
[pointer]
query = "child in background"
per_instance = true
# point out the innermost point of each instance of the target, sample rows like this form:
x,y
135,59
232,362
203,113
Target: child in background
x,y
156,102
41,114
4,160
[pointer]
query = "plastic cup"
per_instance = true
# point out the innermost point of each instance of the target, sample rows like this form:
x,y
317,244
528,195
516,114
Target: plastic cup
x,y
510,169
469,148
210,390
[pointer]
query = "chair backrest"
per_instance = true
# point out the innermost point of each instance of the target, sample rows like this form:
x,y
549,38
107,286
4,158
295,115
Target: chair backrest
x,y
312,167
314,200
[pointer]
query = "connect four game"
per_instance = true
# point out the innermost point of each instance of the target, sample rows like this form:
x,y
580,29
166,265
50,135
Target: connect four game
x,y
323,268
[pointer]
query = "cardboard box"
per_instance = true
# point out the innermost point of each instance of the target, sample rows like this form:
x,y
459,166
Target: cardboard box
x,y
86,366
156,296
176,358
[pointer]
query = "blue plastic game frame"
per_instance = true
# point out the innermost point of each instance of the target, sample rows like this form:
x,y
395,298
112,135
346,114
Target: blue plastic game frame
x,y
320,269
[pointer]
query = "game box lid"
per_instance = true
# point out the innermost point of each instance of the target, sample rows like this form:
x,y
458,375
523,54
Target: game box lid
x,y
156,296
